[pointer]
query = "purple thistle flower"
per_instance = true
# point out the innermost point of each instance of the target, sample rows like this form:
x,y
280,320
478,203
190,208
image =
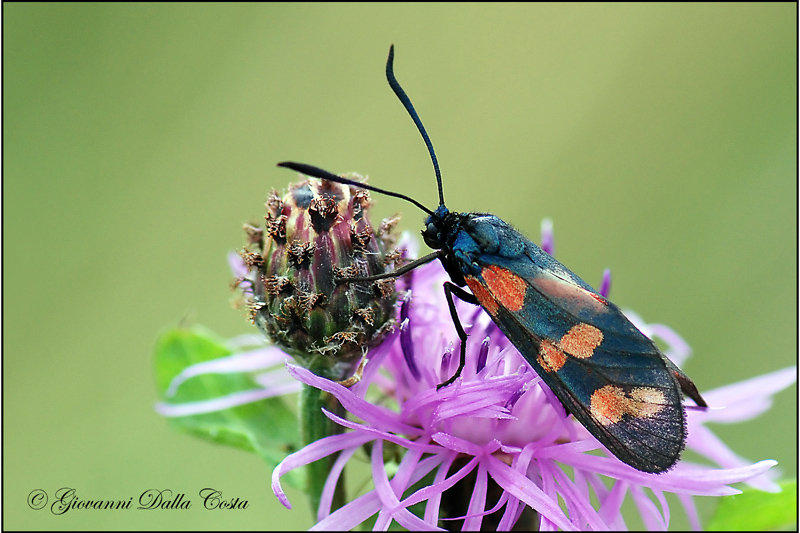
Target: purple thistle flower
x,y
499,426
509,428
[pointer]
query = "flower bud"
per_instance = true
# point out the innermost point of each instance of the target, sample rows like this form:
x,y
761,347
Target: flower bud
x,y
312,237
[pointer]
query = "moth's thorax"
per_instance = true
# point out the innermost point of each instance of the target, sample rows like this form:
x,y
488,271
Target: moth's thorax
x,y
464,237
485,234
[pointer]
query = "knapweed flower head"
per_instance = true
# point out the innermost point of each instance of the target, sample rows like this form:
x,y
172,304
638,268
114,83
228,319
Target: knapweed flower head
x,y
318,232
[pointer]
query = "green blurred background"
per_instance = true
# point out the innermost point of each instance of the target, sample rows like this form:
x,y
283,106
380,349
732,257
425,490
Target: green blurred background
x,y
661,139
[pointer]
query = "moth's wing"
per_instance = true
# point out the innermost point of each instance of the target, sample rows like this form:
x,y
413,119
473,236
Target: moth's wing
x,y
608,374
544,262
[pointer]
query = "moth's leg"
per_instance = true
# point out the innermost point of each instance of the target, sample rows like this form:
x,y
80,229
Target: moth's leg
x,y
397,273
449,290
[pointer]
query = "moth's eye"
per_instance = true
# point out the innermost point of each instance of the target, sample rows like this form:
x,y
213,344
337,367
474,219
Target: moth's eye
x,y
431,236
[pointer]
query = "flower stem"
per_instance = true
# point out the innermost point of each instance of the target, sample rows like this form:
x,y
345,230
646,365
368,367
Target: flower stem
x,y
314,425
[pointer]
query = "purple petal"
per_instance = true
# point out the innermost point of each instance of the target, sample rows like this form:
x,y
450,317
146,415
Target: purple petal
x,y
444,368
441,483
477,502
407,345
610,509
433,492
383,435
479,397
563,452
691,510
443,461
313,452
548,242
520,464
241,362
653,521
376,358
328,491
682,479
405,306
464,446
705,442
412,468
678,350
747,399
524,489
664,506
363,507
223,402
511,514
351,515
391,506
694,481
605,284
275,378
405,470
578,504
244,341
373,414
482,355
237,265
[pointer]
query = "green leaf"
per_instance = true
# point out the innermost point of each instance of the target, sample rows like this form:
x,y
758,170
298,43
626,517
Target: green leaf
x,y
754,510
267,427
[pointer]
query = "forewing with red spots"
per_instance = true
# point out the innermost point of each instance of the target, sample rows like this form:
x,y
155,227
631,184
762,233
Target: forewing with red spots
x,y
604,371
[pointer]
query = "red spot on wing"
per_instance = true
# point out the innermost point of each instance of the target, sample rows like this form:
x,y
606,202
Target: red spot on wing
x,y
551,357
610,403
581,340
506,287
483,295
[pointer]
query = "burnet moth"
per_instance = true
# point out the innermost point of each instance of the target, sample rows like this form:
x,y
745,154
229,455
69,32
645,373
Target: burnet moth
x,y
604,371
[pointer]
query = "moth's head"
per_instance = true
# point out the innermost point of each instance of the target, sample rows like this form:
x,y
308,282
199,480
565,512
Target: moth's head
x,y
435,231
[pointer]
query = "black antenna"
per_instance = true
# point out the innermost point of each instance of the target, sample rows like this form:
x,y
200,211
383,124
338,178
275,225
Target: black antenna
x,y
401,94
310,170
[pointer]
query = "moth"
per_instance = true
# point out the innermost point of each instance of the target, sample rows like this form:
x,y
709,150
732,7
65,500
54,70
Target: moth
x,y
610,376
